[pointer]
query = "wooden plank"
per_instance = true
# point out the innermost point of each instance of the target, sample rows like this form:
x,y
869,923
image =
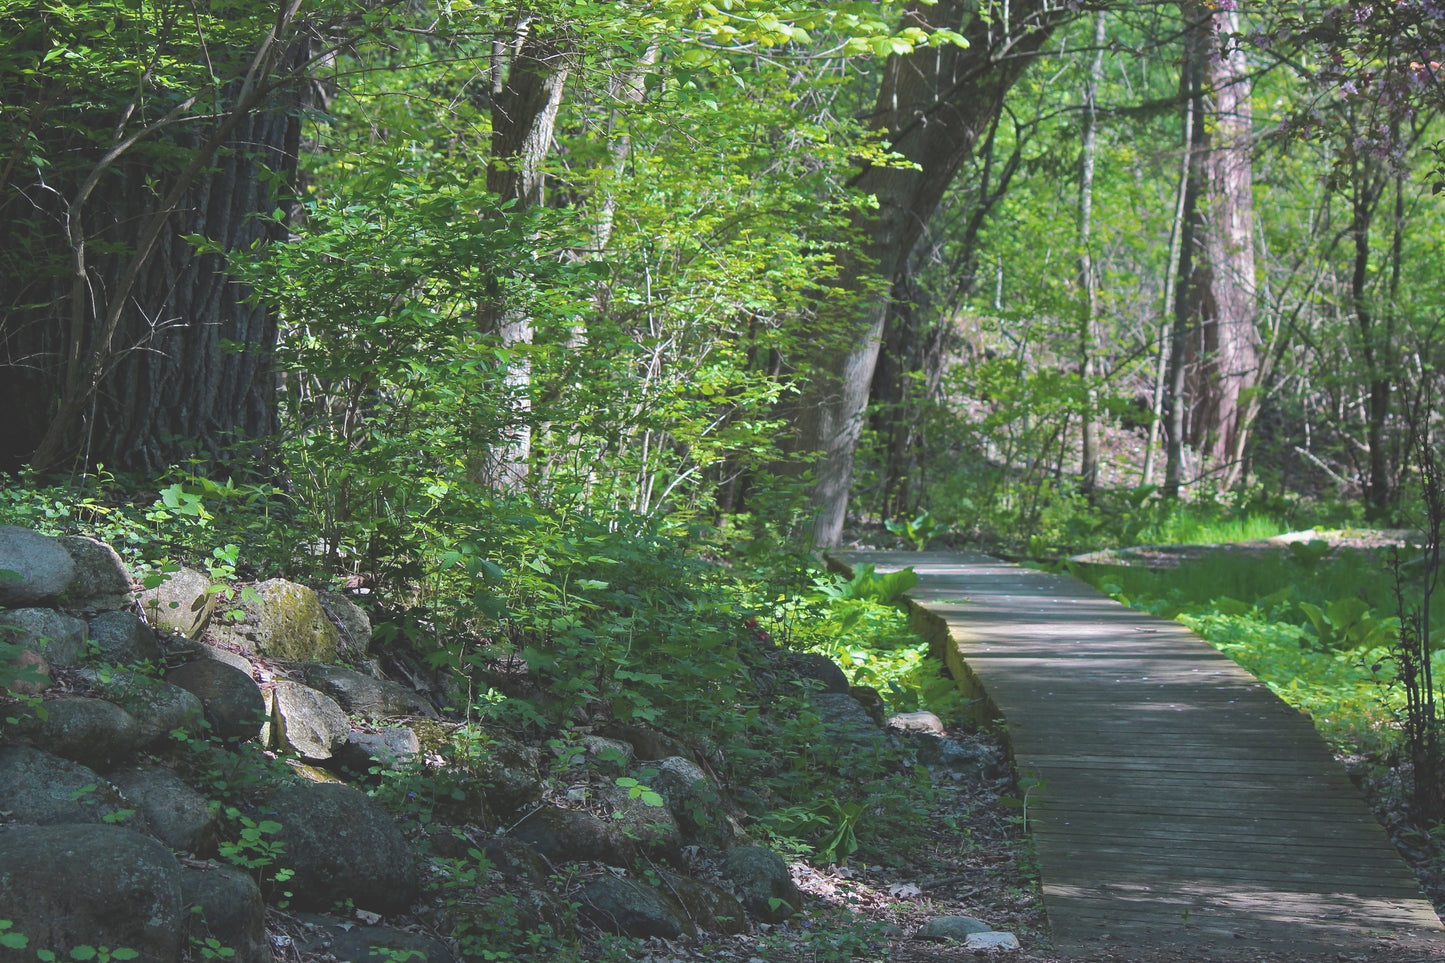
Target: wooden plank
x,y
1182,801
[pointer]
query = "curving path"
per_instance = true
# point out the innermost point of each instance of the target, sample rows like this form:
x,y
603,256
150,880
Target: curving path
x,y
1181,804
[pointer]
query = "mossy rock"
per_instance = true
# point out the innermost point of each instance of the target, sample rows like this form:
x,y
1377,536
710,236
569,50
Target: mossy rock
x,y
283,620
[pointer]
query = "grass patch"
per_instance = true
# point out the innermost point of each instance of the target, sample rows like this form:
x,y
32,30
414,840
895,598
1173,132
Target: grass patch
x,y
1194,525
1316,630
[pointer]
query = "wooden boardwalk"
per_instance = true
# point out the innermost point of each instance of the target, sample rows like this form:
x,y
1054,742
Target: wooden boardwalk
x,y
1181,803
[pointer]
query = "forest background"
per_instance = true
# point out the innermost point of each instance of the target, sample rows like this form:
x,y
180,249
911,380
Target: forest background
x,y
479,304
643,257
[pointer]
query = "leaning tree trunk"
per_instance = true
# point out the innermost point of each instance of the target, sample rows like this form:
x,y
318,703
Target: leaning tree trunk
x,y
119,343
933,104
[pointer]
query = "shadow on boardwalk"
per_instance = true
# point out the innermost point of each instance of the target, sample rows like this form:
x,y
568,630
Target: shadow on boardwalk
x,y
1181,809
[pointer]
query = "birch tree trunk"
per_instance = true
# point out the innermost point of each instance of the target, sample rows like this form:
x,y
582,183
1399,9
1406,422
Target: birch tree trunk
x,y
524,112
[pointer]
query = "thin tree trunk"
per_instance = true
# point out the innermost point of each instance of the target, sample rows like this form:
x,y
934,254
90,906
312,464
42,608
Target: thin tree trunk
x,y
524,119
1195,52
1088,278
1172,271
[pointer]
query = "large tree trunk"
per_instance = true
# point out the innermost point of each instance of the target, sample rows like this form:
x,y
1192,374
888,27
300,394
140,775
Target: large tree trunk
x,y
1226,345
119,344
933,105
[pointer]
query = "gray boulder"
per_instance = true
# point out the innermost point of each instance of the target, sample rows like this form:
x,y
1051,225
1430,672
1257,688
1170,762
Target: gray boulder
x,y
305,720
526,876
177,815
816,671
224,904
505,773
574,835
652,829
692,799
94,885
123,638
762,883
628,907
100,581
647,743
391,747
44,567
159,707
92,732
710,907
843,718
611,757
182,602
37,787
353,625
342,846
361,694
231,699
57,636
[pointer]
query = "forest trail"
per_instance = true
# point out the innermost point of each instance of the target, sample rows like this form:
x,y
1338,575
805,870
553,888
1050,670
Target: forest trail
x,y
1180,805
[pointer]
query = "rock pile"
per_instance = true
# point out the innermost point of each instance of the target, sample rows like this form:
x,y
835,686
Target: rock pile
x,y
139,810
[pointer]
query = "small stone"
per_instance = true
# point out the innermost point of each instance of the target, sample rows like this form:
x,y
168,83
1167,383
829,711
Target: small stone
x,y
916,722
44,567
100,581
182,602
305,720
92,732
762,882
177,815
957,928
123,638
26,673
628,907
991,941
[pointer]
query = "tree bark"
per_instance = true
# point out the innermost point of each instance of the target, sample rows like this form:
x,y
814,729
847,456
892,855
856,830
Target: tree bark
x,y
933,106
1226,345
119,344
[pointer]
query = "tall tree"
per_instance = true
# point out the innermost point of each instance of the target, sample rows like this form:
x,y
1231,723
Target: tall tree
x,y
933,106
1225,344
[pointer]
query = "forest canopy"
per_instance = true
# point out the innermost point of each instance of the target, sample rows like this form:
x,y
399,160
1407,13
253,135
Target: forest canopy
x,y
687,256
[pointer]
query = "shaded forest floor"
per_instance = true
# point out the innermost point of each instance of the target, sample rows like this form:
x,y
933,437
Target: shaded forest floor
x,y
973,858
